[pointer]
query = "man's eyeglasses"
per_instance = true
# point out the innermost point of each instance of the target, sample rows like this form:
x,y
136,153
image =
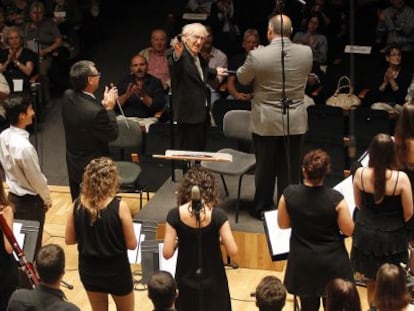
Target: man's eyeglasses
x,y
95,74
197,37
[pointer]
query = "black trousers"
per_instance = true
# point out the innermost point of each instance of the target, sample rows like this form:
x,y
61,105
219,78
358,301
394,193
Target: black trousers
x,y
273,156
74,187
192,137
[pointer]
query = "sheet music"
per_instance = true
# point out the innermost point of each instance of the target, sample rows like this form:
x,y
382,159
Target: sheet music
x,y
19,236
133,254
278,238
168,265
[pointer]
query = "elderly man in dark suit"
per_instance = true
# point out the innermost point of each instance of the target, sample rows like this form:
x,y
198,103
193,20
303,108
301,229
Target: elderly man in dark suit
x,y
190,94
277,131
89,124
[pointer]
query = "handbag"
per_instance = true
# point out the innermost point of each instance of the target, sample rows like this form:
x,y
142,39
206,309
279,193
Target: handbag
x,y
344,100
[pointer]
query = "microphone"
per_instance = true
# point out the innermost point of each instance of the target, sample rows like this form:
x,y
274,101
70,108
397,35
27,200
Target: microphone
x,y
196,200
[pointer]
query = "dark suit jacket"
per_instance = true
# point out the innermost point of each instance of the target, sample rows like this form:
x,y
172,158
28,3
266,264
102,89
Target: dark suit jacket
x,y
88,130
189,92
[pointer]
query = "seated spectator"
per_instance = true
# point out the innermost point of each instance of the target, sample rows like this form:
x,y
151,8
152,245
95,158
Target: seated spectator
x,y
391,293
337,29
141,94
311,37
17,12
391,90
50,266
342,295
156,58
223,21
17,63
396,26
199,6
236,90
43,37
66,14
162,290
270,294
3,29
215,58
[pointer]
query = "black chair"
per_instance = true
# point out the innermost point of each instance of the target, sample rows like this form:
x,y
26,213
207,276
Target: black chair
x,y
235,126
367,124
126,151
326,131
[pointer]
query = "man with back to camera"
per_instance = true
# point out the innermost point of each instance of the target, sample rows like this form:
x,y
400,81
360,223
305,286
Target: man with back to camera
x,y
162,290
270,294
89,124
269,119
50,266
28,189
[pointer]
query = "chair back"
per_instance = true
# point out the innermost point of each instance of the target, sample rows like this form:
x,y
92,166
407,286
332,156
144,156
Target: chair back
x,y
236,125
129,138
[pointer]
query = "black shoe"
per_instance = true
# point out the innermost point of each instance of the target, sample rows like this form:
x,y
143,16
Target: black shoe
x,y
257,215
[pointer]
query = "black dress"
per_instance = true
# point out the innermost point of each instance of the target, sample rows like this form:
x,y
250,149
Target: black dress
x,y
380,234
317,250
8,274
103,260
216,296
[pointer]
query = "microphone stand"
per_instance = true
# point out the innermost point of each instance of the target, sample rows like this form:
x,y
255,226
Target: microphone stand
x,y
285,102
172,139
198,206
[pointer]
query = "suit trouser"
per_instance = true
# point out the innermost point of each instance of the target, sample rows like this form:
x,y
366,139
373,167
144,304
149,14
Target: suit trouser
x,y
74,187
192,136
272,154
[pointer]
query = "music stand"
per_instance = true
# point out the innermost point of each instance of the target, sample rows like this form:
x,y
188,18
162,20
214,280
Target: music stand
x,y
30,228
194,156
277,239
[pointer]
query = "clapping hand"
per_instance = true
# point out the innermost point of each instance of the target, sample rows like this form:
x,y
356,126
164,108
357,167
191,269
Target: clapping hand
x,y
110,97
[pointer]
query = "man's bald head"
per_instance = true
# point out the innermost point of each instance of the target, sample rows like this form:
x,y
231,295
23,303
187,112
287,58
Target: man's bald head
x,y
275,26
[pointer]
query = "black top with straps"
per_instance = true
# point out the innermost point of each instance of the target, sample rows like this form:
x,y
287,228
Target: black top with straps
x,y
380,234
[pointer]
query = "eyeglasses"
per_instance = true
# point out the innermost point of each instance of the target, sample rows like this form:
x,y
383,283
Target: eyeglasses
x,y
95,74
197,37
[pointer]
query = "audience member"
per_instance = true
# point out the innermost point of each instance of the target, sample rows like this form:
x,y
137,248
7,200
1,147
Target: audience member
x,y
156,56
28,189
101,225
223,20
270,123
89,125
43,37
337,30
200,273
17,63
47,296
391,292
199,6
385,203
162,290
316,215
8,271
237,91
66,14
391,91
342,295
270,294
190,95
314,39
141,94
215,58
17,12
3,28
396,25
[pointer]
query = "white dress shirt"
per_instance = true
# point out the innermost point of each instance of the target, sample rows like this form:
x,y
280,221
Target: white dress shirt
x,y
21,164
